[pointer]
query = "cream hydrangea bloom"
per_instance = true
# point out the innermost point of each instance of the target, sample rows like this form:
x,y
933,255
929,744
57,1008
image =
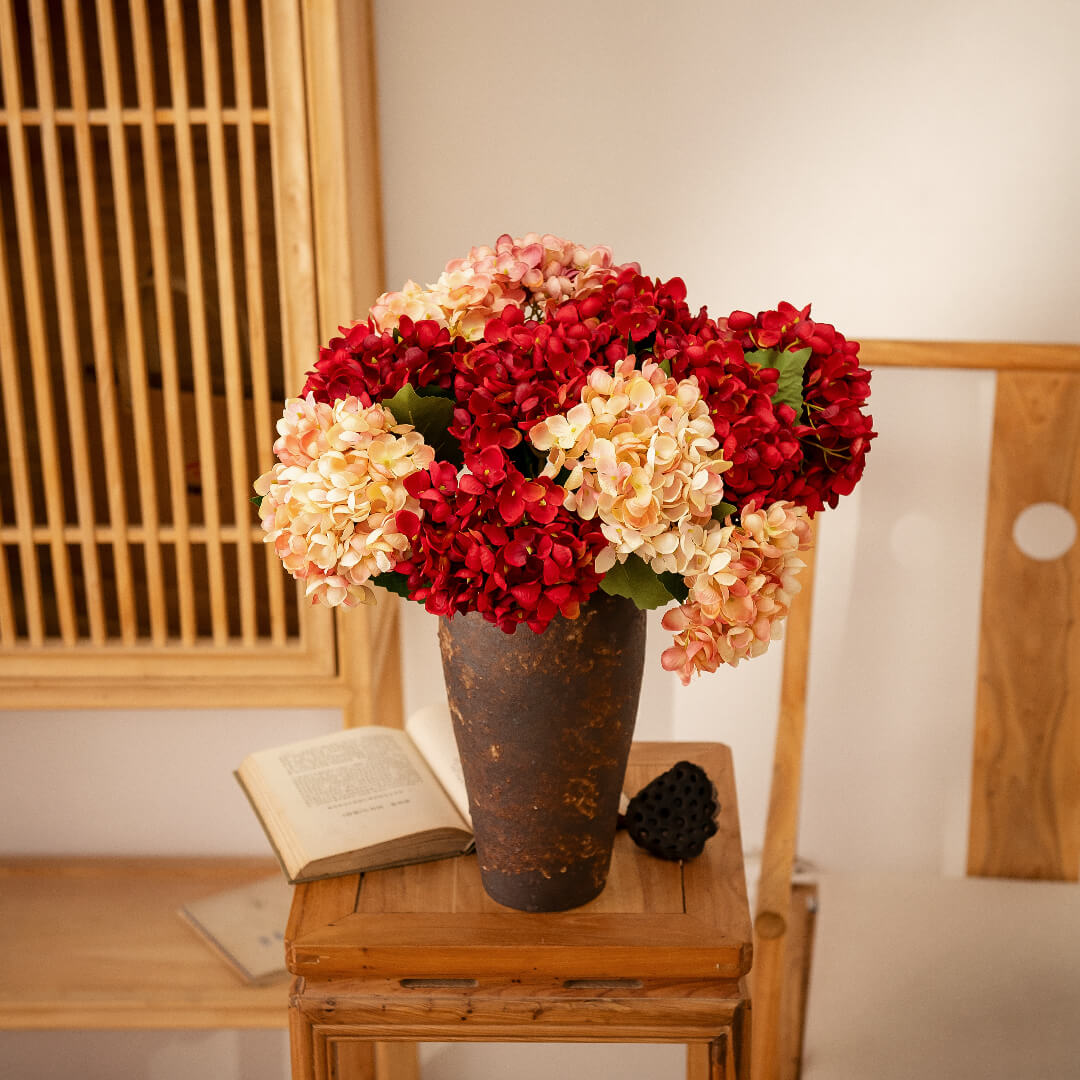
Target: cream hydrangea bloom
x,y
330,506
741,586
644,460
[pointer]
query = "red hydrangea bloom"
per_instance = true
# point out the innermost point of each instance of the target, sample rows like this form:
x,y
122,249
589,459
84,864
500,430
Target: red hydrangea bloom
x,y
835,433
759,438
373,365
523,371
501,545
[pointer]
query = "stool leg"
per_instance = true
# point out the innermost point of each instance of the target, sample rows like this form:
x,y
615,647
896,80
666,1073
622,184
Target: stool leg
x,y
714,1060
397,1061
301,1047
697,1061
354,1059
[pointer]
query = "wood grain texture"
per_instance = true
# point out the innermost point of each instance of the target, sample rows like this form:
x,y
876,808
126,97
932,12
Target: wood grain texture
x,y
225,258
263,404
434,919
20,466
798,954
396,1061
41,353
166,317
97,943
100,333
992,355
1025,799
69,322
781,832
146,449
521,1011
197,317
353,1059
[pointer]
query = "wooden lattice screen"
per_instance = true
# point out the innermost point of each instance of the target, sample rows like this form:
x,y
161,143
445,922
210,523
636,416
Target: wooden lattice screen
x,y
159,269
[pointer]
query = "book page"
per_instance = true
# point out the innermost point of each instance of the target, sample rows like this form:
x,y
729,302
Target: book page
x,y
354,789
245,926
432,731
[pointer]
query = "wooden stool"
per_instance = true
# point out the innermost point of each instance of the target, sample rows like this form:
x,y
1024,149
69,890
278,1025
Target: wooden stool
x,y
421,954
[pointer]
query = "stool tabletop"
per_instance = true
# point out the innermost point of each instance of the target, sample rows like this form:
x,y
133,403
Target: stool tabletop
x,y
654,919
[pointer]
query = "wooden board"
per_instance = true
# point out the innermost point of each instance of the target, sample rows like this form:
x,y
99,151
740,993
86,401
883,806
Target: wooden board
x,y
433,920
1025,799
986,355
97,943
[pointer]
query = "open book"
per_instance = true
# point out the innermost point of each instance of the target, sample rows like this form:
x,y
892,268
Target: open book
x,y
363,798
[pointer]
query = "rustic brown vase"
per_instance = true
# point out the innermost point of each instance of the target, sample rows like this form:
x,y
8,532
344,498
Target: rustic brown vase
x,y
544,724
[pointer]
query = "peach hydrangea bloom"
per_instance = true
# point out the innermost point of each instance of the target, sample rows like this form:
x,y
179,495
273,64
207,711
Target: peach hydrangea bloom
x,y
330,506
644,459
741,585
541,271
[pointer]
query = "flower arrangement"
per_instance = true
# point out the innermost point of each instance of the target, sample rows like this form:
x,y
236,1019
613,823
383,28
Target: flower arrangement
x,y
540,423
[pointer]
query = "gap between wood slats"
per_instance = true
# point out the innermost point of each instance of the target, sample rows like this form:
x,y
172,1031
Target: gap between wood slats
x,y
41,356
192,244
230,337
101,337
166,324
145,452
253,281
70,336
20,473
131,117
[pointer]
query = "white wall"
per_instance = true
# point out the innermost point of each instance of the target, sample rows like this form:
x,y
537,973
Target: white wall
x,y
912,169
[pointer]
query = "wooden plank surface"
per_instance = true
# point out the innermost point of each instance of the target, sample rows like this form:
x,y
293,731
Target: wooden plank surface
x,y
522,1010
434,918
993,355
1025,799
96,943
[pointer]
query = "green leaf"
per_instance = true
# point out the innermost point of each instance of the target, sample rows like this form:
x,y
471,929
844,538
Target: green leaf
x,y
675,585
257,500
636,580
722,509
431,416
665,366
791,365
395,583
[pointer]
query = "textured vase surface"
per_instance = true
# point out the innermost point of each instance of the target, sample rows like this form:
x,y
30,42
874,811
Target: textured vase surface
x,y
544,724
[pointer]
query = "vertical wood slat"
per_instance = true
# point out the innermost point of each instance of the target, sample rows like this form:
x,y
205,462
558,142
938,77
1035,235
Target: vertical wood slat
x,y
294,235
145,452
99,323
340,52
7,611
1025,799
70,336
253,269
16,448
40,352
170,378
204,419
771,921
348,249
230,339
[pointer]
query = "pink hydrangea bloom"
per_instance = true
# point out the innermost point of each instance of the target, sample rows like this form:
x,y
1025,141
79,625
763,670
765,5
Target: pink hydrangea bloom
x,y
741,587
533,270
335,507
